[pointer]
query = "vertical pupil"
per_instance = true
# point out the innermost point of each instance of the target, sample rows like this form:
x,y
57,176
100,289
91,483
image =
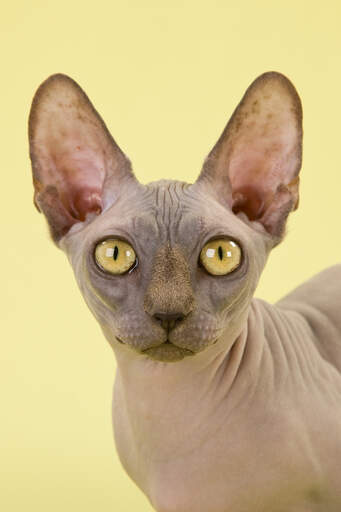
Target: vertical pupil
x,y
220,252
115,252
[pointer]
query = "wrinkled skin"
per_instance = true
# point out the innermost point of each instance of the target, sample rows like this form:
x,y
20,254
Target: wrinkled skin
x,y
236,405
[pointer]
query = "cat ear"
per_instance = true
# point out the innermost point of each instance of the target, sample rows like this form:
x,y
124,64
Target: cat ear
x,y
77,166
254,165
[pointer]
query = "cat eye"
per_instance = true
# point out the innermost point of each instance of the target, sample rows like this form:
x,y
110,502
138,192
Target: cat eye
x,y
115,256
220,257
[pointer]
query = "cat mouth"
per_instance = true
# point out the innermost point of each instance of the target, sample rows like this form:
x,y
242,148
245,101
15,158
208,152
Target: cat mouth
x,y
165,352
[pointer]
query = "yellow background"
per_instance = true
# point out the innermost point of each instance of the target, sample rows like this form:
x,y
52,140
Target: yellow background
x,y
165,76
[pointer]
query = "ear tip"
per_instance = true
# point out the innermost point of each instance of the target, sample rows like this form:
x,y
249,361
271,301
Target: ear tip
x,y
276,77
57,77
55,80
53,84
282,82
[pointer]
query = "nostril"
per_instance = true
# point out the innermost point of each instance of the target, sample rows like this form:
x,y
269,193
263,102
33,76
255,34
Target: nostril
x,y
168,320
169,316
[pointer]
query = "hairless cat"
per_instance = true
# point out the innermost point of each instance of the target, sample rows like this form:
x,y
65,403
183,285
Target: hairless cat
x,y
222,402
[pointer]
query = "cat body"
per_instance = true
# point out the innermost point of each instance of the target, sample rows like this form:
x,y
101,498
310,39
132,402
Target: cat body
x,y
222,402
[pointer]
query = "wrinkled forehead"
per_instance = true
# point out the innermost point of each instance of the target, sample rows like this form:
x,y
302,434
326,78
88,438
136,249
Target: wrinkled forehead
x,y
173,212
169,211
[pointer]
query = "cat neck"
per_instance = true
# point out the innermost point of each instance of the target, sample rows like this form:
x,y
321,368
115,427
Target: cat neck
x,y
154,405
153,391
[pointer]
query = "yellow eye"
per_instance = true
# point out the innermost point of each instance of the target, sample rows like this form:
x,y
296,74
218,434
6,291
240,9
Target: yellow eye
x,y
220,257
115,256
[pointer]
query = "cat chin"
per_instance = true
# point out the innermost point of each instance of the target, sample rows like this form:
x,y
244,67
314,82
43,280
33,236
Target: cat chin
x,y
167,353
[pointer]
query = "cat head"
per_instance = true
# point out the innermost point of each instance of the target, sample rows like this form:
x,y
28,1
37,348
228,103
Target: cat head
x,y
167,267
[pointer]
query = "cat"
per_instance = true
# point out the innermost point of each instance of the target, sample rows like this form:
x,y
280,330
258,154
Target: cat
x,y
222,402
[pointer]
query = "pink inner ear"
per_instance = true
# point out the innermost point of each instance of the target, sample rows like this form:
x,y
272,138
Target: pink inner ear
x,y
247,199
253,183
261,161
79,179
74,162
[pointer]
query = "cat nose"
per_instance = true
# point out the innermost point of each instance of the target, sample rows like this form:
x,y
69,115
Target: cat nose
x,y
168,320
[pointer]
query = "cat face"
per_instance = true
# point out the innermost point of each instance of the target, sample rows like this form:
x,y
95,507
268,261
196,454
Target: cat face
x,y
167,223
152,261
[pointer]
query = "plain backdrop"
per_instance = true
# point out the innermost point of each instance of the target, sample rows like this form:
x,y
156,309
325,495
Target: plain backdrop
x,y
165,76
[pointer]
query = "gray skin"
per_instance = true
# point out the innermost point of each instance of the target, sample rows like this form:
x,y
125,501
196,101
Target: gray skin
x,y
222,402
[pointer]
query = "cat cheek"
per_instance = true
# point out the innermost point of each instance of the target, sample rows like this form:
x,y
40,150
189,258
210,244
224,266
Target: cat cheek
x,y
137,332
